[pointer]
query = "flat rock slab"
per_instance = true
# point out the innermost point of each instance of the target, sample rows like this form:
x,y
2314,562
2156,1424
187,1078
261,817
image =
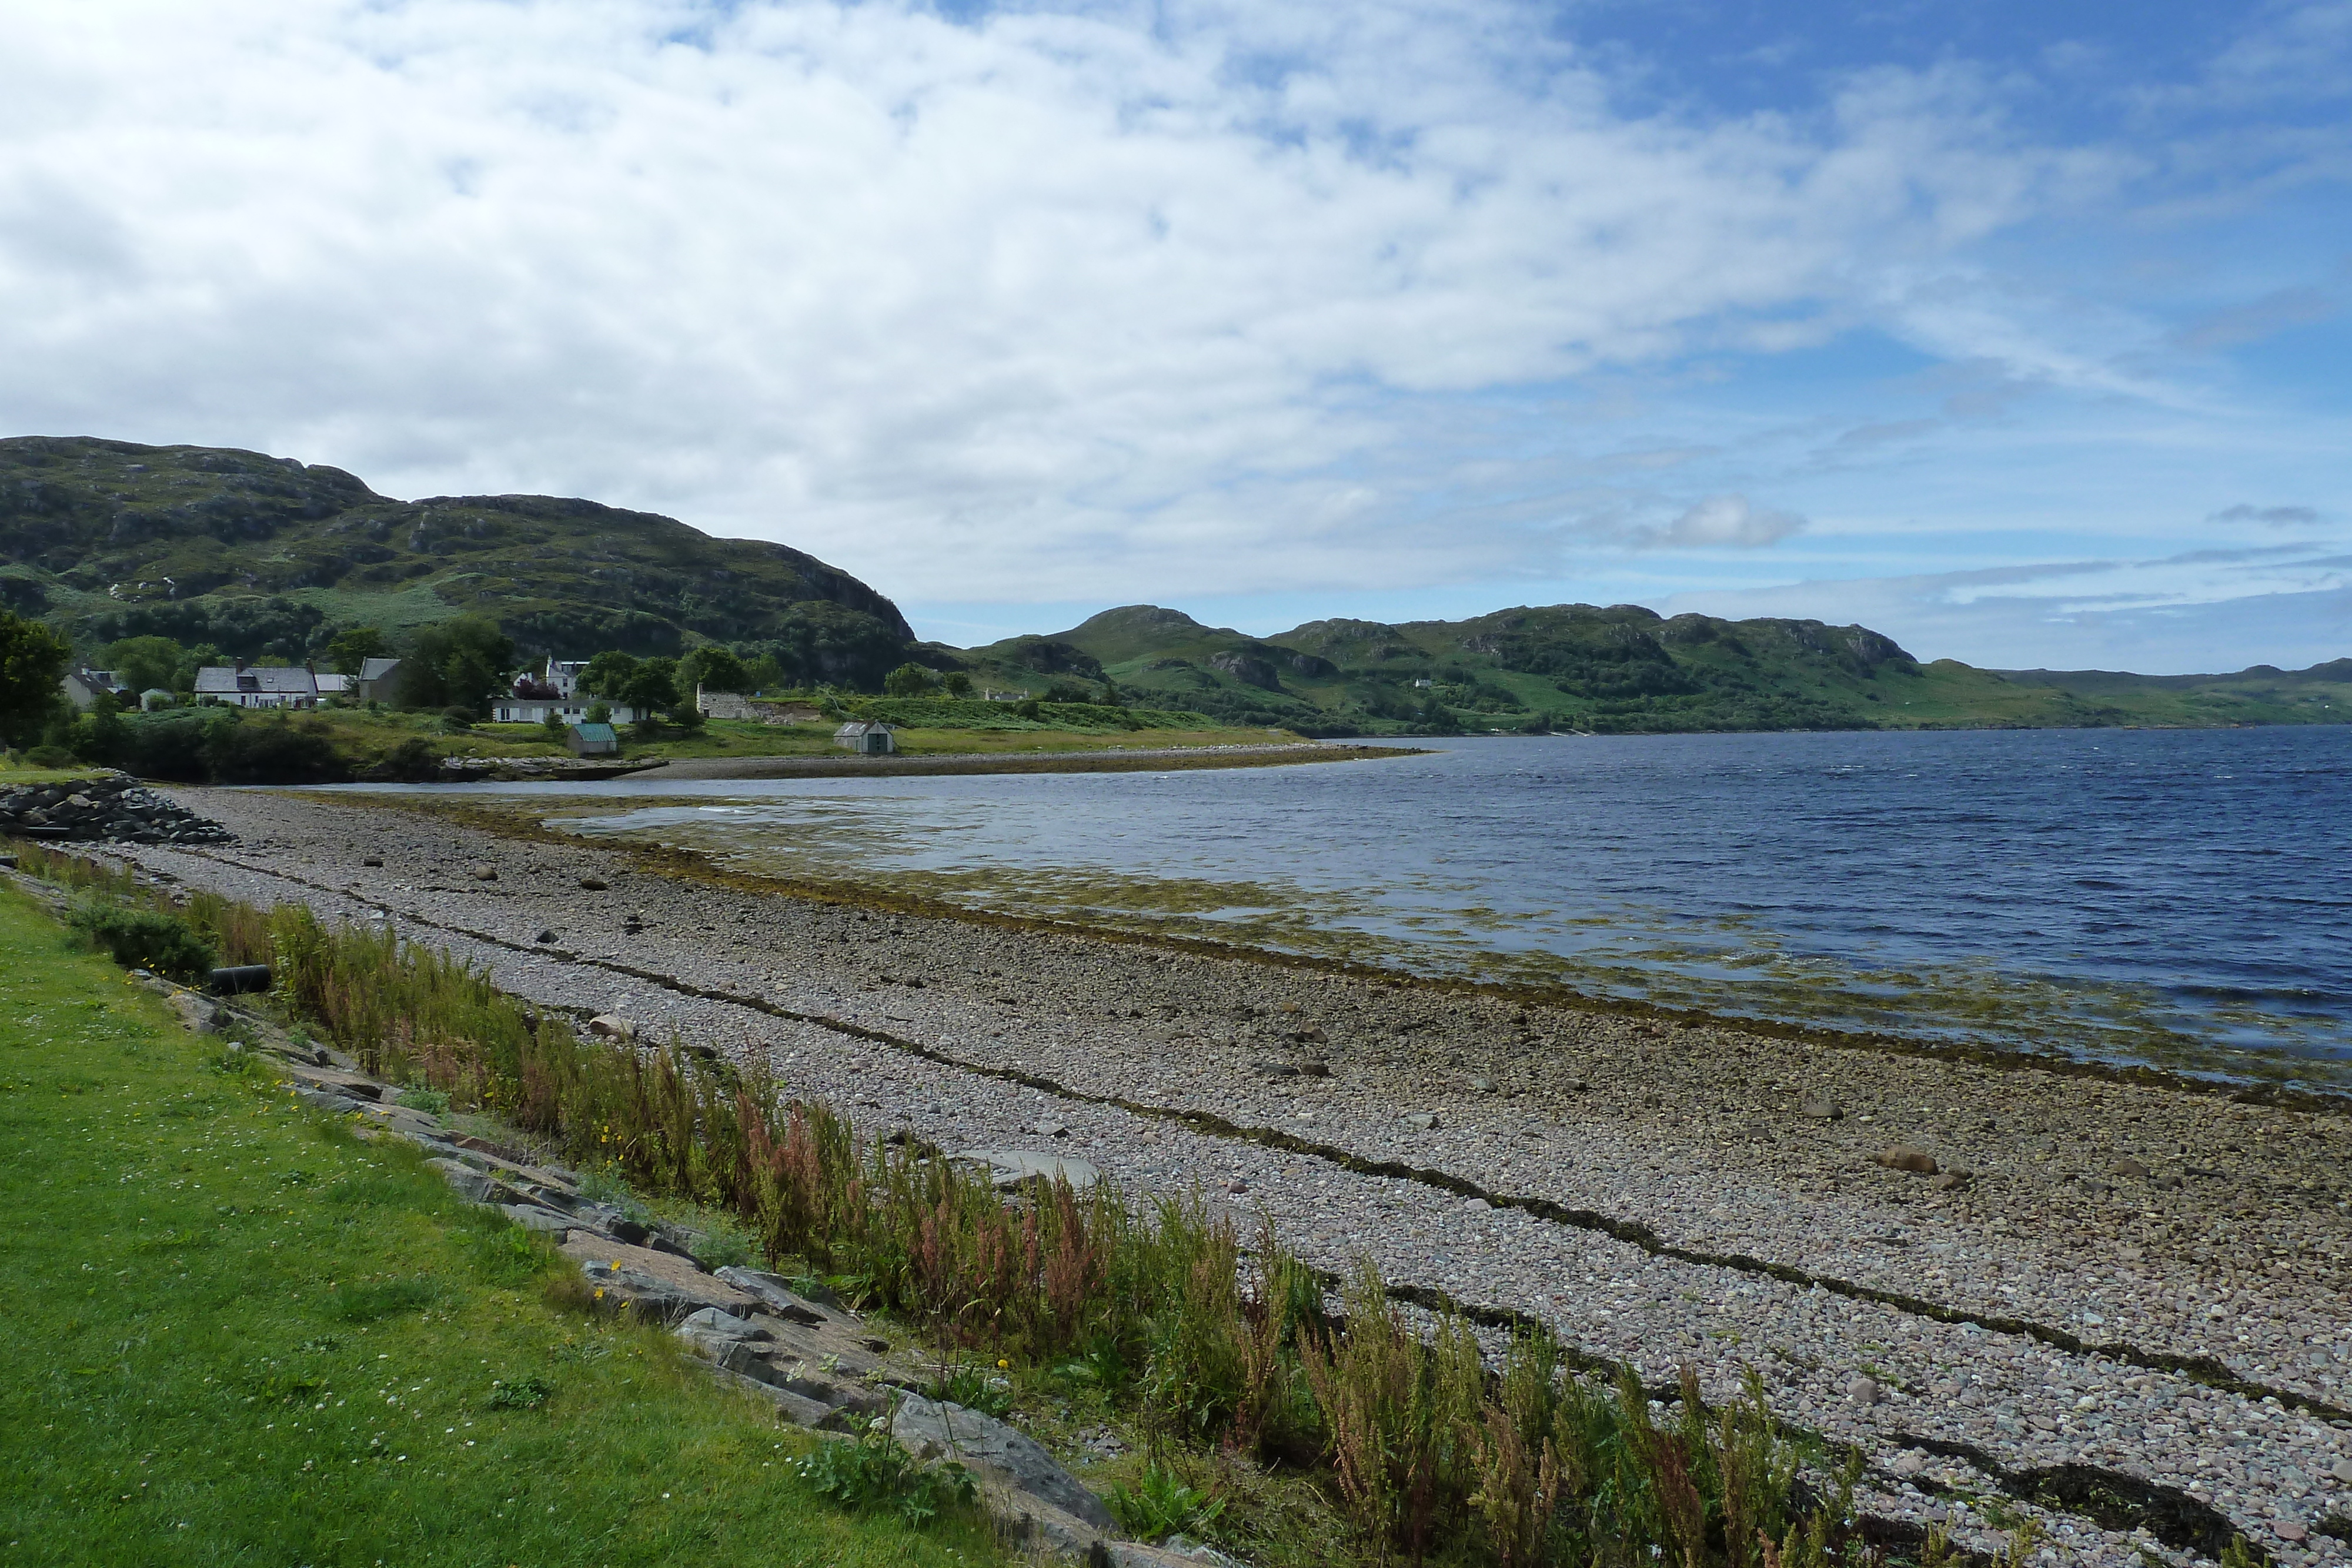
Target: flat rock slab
x,y
670,1273
932,1427
775,1293
1010,1167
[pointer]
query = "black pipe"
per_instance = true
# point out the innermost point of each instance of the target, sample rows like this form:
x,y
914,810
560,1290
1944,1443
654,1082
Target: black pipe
x,y
236,978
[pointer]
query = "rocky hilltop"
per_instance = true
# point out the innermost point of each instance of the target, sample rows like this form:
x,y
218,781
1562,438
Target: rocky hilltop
x,y
1617,669
263,556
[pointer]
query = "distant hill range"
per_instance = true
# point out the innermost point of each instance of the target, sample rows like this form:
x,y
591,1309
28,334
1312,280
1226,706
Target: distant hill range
x,y
1622,670
263,556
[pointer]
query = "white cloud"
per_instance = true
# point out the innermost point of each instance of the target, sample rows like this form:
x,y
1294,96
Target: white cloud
x,y
1048,305
2198,611
1724,522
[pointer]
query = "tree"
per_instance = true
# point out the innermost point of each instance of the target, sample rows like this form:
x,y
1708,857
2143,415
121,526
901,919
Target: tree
x,y
1111,696
958,683
33,661
349,650
715,669
910,680
765,674
455,665
651,685
147,663
607,675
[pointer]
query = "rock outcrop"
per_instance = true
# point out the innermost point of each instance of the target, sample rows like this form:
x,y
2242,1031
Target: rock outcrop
x,y
109,807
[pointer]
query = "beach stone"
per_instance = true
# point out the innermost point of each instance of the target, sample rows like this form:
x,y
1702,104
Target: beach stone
x,y
485,874
1420,1121
370,860
1861,1390
611,1026
2127,1166
1908,1463
1483,1085
1953,1180
1273,1069
594,883
1008,1168
2288,1529
1820,1108
545,936
1314,1069
1904,1157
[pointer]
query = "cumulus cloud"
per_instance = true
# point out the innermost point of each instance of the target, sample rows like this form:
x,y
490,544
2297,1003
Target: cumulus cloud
x,y
1008,306
2277,517
1722,522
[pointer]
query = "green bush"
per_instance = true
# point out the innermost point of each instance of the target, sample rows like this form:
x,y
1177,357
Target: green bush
x,y
1162,1505
875,1471
146,939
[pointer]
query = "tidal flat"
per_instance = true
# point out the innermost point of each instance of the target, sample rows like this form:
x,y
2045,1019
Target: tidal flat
x,y
2107,1268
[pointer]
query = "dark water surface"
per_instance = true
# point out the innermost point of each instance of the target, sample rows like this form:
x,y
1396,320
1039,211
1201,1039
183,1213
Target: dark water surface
x,y
2183,896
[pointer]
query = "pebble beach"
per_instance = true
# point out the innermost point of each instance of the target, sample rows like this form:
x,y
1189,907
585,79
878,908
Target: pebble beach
x,y
2119,1294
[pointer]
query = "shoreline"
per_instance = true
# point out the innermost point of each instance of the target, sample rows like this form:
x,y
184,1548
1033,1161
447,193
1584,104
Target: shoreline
x,y
1109,759
690,864
2132,1276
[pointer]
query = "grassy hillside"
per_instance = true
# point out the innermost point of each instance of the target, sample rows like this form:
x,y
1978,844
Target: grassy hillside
x,y
261,556
243,1335
1622,670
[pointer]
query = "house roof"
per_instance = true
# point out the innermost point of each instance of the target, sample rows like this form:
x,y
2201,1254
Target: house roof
x,y
377,669
226,680
858,726
596,732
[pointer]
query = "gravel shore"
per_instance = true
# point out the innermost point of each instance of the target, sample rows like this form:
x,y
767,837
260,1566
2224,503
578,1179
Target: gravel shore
x,y
2136,1277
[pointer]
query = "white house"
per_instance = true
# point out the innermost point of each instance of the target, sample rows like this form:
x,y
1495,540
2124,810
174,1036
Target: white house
x,y
82,687
243,685
866,737
563,676
556,690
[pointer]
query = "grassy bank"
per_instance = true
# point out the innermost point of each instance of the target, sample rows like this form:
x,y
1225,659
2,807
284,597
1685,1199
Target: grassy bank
x,y
1254,1403
230,745
235,1333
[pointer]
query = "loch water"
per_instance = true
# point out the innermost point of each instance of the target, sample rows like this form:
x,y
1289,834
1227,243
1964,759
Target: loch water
x,y
2182,897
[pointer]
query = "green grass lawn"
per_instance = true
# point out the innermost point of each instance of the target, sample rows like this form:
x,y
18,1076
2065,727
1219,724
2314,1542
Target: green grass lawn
x,y
235,1333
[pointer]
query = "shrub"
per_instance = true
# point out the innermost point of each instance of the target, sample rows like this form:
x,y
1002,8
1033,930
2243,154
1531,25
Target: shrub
x,y
875,1471
1162,1505
145,939
278,749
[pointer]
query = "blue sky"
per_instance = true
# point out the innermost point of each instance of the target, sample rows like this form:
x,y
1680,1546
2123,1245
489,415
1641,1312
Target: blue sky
x,y
2016,331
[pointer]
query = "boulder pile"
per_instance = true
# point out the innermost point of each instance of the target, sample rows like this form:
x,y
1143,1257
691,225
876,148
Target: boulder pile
x,y
111,807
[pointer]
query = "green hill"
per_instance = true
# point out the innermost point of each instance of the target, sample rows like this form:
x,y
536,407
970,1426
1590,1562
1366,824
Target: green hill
x,y
263,556
1623,670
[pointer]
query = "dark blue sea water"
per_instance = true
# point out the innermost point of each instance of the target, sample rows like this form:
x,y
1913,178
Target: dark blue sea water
x,y
2176,895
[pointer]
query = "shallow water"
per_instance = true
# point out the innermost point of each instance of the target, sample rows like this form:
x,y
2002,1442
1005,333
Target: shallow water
x,y
2179,896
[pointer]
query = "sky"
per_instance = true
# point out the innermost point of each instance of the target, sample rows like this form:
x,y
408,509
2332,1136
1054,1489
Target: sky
x,y
2017,331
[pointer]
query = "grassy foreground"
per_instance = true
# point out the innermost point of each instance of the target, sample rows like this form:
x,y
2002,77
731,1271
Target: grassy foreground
x,y
235,1333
